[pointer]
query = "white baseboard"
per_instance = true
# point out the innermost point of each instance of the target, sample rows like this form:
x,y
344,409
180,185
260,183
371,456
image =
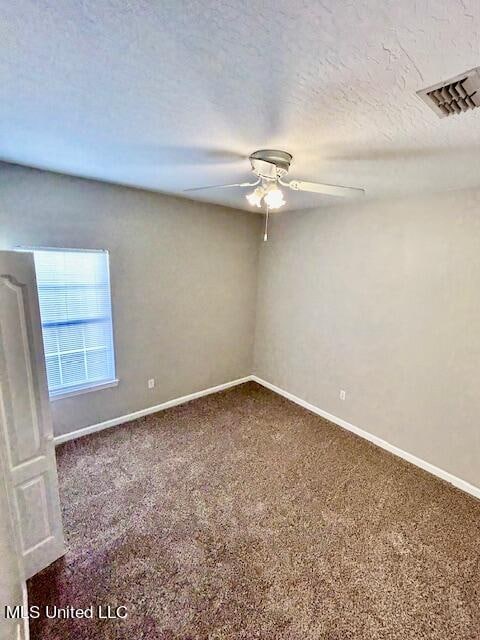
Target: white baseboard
x,y
426,466
145,412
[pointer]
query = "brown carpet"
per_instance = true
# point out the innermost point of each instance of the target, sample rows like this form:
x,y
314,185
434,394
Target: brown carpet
x,y
241,515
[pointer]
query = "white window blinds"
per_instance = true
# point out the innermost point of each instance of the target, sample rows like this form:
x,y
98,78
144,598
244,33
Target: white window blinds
x,y
75,307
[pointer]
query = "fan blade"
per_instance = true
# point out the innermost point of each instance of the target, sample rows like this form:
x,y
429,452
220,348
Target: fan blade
x,y
224,186
325,189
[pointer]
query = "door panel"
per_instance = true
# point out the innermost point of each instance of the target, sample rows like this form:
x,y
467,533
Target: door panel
x,y
33,510
19,401
13,590
26,429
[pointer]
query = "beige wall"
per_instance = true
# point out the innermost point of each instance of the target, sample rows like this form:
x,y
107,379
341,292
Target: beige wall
x,y
382,300
183,279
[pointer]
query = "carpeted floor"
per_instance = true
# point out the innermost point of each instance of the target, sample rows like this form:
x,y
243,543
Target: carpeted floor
x,y
241,515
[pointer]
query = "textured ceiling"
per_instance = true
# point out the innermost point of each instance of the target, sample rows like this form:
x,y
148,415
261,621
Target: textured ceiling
x,y
174,94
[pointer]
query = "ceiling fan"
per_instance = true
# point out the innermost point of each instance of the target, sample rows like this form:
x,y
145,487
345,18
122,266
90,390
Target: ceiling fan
x,y
271,166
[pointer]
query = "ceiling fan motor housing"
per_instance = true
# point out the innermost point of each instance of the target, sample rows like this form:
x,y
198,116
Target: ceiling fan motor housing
x,y
270,164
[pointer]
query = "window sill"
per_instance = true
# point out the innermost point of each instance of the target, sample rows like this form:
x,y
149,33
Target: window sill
x,y
77,392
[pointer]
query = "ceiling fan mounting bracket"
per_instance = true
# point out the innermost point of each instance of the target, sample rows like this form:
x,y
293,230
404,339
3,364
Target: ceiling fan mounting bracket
x,y
270,164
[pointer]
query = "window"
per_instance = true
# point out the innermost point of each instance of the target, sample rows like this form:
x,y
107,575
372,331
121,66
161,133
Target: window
x,y
75,307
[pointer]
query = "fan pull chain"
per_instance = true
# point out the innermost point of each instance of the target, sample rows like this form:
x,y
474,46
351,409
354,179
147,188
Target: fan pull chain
x,y
265,235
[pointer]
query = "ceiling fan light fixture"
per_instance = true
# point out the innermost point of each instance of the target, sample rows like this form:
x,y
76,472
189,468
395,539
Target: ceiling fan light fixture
x,y
270,167
255,198
274,198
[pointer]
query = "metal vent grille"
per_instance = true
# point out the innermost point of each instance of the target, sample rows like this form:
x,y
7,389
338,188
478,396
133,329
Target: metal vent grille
x,y
457,95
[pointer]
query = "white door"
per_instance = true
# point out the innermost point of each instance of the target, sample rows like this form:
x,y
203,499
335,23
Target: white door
x,y
12,587
26,435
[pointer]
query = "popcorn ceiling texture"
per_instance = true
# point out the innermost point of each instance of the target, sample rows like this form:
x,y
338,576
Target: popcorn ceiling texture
x,y
241,515
152,93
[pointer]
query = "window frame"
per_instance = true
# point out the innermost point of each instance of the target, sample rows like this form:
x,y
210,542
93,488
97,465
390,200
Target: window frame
x,y
78,391
86,387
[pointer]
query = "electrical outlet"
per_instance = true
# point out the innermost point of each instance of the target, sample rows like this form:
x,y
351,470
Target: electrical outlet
x,y
342,394
151,383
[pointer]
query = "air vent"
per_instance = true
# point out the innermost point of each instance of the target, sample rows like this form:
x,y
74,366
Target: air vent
x,y
457,95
